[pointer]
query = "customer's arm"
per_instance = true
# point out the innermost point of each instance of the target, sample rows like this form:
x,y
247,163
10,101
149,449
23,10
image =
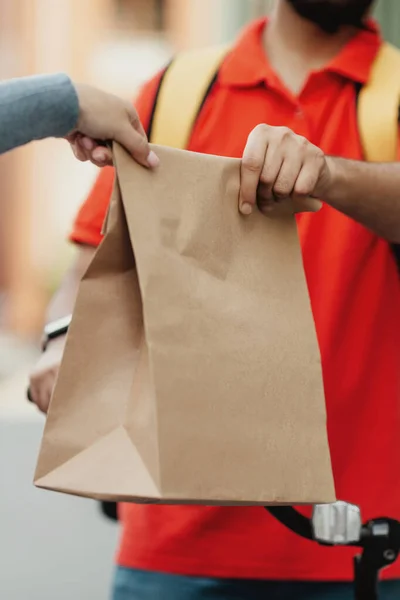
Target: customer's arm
x,y
34,108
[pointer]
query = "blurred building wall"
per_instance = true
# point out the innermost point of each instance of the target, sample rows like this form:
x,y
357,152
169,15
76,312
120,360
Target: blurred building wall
x,y
41,186
388,14
38,36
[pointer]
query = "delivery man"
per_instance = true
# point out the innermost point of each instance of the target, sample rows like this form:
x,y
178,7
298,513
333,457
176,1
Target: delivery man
x,y
300,70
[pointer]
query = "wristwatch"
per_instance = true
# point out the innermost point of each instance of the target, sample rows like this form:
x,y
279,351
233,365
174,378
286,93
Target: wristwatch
x,y
54,330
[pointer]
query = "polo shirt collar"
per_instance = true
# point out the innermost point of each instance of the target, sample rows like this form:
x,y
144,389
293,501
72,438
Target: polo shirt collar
x,y
247,65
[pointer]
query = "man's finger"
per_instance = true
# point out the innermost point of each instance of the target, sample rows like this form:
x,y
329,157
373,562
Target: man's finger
x,y
307,180
251,169
286,179
137,145
271,169
265,200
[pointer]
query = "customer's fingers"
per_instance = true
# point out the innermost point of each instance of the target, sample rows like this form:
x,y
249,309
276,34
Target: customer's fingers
x,y
101,156
136,142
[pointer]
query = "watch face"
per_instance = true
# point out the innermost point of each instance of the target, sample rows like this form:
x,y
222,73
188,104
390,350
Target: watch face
x,y
58,327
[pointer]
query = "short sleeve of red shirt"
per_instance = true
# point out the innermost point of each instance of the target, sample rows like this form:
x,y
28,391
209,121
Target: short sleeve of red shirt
x,y
89,220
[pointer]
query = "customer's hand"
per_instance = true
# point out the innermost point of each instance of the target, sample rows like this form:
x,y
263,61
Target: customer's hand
x,y
105,117
278,165
43,377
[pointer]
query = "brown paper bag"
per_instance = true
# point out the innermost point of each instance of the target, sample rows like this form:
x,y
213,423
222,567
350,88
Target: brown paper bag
x,y
191,372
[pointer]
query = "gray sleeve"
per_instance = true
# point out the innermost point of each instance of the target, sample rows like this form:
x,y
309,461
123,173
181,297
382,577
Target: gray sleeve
x,y
33,108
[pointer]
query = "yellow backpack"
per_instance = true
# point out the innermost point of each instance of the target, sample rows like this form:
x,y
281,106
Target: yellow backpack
x,y
189,77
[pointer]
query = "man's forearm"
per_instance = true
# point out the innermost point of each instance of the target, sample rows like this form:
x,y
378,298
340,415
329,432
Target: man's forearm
x,y
368,193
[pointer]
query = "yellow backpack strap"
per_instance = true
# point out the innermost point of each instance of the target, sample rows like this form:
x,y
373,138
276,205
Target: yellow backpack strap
x,y
378,107
181,95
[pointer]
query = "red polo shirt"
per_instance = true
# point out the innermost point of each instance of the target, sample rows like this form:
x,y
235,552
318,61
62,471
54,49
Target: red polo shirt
x,y
354,289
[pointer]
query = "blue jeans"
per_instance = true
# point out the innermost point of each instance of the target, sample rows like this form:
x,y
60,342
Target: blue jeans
x,y
132,584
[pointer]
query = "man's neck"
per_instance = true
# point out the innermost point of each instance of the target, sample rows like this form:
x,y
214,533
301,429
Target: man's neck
x,y
295,47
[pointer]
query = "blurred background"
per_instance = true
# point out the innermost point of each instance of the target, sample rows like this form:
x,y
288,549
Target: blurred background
x,y
52,546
